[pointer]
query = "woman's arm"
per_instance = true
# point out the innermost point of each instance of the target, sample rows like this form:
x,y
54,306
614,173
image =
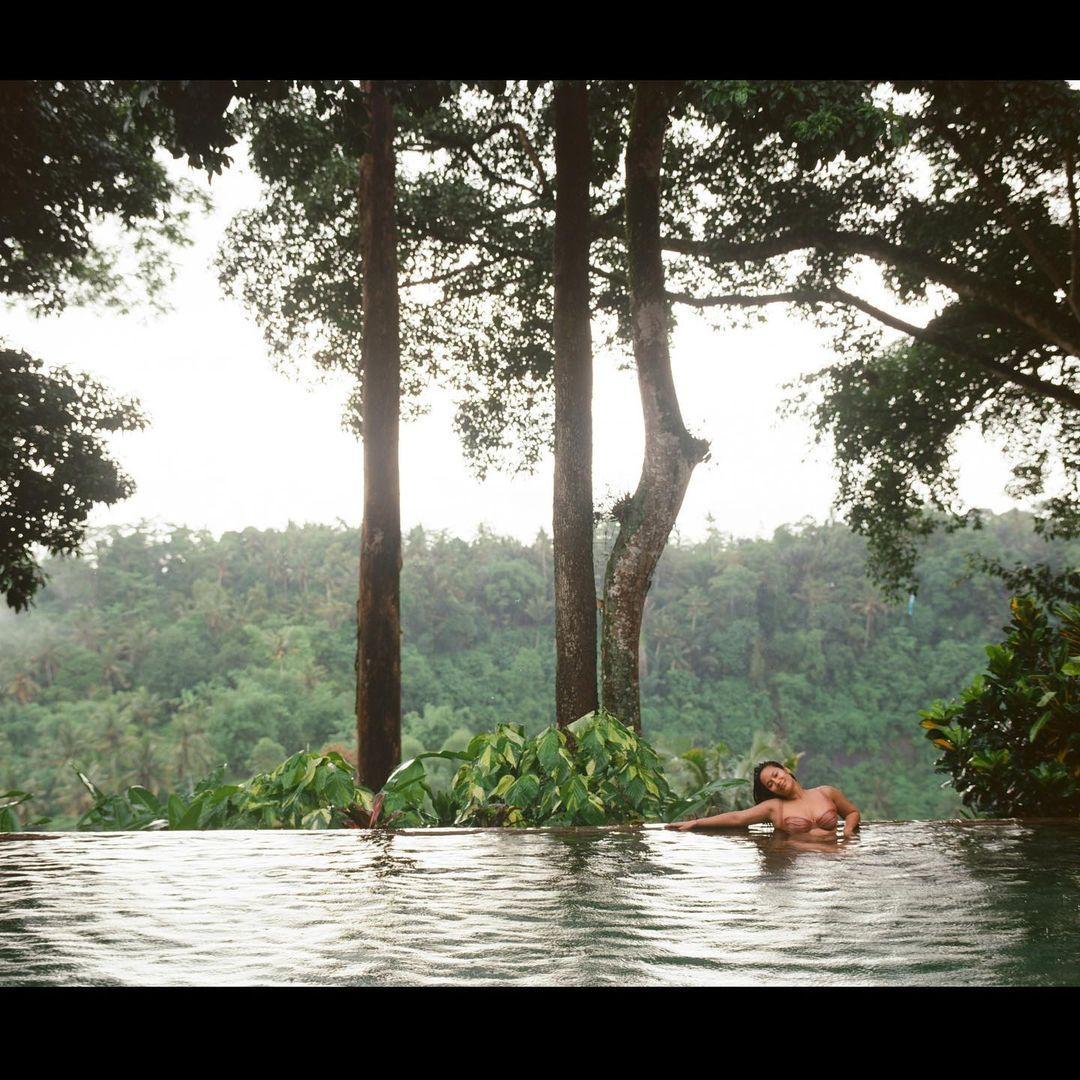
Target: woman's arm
x,y
762,812
852,817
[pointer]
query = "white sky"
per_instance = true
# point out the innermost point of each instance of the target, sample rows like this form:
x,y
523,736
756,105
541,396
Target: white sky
x,y
233,443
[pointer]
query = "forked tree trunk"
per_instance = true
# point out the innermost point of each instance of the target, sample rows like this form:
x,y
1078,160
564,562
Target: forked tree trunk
x,y
575,587
378,654
647,517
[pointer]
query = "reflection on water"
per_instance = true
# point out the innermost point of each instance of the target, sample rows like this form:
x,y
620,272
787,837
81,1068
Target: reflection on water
x,y
917,902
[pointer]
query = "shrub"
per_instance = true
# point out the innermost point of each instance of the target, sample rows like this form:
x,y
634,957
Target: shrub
x,y
597,771
1011,740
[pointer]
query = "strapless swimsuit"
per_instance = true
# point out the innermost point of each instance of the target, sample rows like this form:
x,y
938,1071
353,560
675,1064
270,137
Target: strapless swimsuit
x,y
827,820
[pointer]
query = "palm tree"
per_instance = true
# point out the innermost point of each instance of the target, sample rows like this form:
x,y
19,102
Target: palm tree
x,y
112,739
147,769
47,662
114,669
191,754
144,708
696,604
869,604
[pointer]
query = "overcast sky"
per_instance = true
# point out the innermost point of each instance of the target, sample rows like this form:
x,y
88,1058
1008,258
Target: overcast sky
x,y
233,443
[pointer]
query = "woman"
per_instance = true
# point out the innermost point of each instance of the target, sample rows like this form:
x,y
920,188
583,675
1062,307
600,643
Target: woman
x,y
792,809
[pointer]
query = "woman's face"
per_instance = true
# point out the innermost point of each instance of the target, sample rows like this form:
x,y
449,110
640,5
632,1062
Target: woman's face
x,y
779,781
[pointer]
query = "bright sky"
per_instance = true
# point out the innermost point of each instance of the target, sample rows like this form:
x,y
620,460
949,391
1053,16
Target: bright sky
x,y
233,443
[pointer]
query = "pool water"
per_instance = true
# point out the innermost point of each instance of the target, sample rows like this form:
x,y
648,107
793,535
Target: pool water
x,y
942,903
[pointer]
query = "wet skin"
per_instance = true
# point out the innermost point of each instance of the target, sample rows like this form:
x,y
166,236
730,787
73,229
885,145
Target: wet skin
x,y
791,801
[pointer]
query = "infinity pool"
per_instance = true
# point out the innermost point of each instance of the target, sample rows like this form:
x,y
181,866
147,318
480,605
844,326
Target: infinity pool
x,y
942,903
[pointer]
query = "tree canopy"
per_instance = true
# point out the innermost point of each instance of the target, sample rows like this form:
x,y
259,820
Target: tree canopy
x,y
164,654
79,155
959,194
56,465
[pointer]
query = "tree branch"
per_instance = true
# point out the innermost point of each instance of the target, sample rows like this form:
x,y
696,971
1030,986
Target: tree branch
x,y
1016,303
1062,394
449,275
529,149
468,148
447,142
998,193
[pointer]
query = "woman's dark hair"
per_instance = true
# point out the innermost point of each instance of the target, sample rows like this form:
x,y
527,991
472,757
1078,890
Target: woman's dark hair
x,y
761,792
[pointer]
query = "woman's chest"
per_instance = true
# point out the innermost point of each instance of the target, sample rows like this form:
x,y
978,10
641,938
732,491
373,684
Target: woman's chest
x,y
814,813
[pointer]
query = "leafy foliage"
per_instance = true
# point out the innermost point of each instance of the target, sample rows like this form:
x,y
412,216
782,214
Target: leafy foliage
x,y
957,194
602,774
9,818
474,237
1011,741
77,152
306,791
55,465
163,653
599,773
81,162
708,765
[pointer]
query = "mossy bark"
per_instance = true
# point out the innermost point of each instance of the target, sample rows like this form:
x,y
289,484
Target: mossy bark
x,y
575,587
378,655
647,517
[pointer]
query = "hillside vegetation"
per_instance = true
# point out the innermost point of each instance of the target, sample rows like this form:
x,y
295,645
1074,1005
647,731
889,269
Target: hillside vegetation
x,y
164,654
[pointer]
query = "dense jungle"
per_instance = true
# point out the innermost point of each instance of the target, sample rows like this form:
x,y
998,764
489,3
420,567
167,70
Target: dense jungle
x,y
163,654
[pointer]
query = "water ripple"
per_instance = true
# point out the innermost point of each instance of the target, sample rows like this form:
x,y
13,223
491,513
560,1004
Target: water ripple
x,y
918,903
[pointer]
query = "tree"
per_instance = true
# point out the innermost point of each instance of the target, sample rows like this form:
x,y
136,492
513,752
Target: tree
x,y
477,281
378,610
572,516
56,465
962,194
304,145
647,517
77,153
1009,741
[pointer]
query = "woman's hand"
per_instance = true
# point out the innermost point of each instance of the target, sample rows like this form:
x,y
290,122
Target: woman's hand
x,y
682,826
845,806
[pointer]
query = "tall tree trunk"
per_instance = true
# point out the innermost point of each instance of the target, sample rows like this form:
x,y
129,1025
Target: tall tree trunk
x,y
647,517
378,654
575,586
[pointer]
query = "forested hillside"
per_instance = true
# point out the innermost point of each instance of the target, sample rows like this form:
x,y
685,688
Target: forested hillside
x,y
162,655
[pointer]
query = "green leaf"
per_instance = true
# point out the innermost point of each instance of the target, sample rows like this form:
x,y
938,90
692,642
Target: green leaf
x,y
86,783
190,820
502,787
144,798
317,819
407,772
574,794
513,733
175,810
523,792
582,722
548,745
1038,726
224,792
